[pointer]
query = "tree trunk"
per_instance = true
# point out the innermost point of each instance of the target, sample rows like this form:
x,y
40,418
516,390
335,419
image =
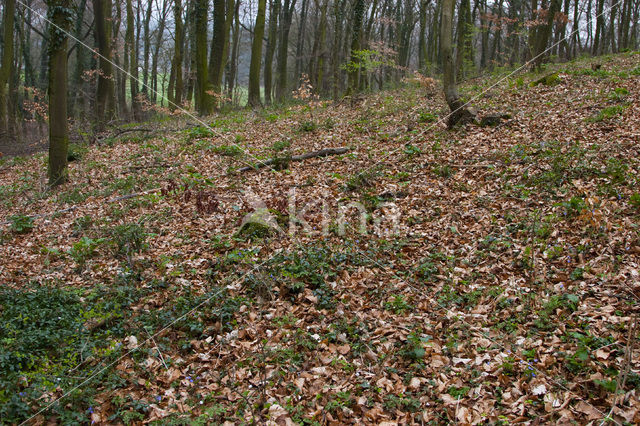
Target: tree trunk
x,y
133,62
422,36
203,99
354,63
599,28
61,14
177,55
105,96
543,34
301,37
272,41
7,64
459,112
156,52
256,56
283,50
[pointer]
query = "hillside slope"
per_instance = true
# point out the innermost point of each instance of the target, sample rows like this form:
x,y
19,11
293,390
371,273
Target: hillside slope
x,y
496,278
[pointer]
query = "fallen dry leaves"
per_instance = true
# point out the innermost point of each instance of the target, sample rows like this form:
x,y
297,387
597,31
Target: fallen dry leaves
x,y
497,300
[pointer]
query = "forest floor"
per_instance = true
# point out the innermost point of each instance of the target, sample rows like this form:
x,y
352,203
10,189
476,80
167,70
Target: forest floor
x,y
495,280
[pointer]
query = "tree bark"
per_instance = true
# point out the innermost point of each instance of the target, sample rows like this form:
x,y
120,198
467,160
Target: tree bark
x,y
133,62
256,56
7,64
543,34
105,96
283,49
272,41
203,99
459,112
354,64
60,14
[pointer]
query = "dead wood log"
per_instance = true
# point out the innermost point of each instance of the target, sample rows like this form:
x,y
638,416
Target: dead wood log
x,y
279,161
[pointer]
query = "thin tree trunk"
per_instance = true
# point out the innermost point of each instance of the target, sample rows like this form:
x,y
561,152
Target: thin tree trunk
x,y
133,62
272,41
156,50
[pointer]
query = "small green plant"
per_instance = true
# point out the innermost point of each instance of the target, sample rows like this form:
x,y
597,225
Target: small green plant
x,y
616,170
308,126
279,146
414,347
618,94
21,224
607,113
412,150
84,249
444,171
635,200
199,132
427,117
228,150
340,400
458,393
129,238
574,207
398,304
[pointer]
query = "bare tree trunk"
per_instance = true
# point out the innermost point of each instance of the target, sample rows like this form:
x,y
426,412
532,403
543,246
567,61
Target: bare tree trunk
x,y
7,64
544,33
203,98
283,50
156,51
459,112
60,12
106,96
256,56
272,41
354,63
133,62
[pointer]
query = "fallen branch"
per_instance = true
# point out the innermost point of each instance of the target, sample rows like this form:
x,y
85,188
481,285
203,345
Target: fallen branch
x,y
274,161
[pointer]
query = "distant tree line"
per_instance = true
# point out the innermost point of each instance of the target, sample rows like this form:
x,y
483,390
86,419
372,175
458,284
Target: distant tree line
x,y
102,61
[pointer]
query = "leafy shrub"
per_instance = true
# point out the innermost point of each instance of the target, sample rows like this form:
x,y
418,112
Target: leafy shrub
x,y
129,238
21,224
308,126
199,132
84,249
279,146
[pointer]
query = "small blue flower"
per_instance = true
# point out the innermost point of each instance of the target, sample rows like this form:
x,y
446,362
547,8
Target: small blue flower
x,y
158,398
90,410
